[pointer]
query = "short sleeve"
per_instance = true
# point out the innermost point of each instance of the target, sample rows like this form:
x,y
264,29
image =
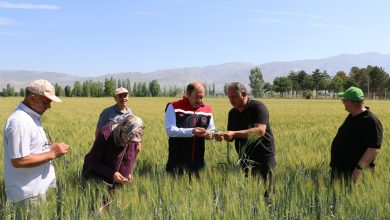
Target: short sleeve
x,y
374,133
102,120
18,140
229,125
260,114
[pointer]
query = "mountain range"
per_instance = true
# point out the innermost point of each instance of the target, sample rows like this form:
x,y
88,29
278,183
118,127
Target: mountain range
x,y
218,74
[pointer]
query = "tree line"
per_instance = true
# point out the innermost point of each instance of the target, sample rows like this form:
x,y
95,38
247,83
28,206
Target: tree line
x,y
373,80
107,88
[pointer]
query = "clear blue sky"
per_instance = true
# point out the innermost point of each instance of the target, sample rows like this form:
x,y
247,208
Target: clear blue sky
x,y
89,38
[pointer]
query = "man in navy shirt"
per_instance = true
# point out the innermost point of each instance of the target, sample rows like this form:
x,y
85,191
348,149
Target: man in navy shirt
x,y
249,127
121,97
358,140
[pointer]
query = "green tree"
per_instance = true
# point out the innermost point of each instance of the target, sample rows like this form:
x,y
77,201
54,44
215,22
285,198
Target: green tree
x,y
337,84
175,91
164,92
377,80
326,82
139,89
109,86
268,88
154,88
144,90
387,86
22,92
225,88
318,81
77,89
58,90
359,78
282,85
256,82
68,91
87,88
293,76
9,91
128,86
305,82
135,91
96,89
206,89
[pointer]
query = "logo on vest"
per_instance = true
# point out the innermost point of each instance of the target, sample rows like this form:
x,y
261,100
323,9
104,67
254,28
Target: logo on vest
x,y
203,120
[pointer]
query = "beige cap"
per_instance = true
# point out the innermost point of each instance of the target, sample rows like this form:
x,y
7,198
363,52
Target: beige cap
x,y
44,88
120,90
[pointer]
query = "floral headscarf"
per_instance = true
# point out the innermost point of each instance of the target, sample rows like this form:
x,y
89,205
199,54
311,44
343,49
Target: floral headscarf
x,y
131,128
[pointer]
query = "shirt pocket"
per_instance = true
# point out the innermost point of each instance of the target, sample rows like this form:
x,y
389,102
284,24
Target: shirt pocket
x,y
37,142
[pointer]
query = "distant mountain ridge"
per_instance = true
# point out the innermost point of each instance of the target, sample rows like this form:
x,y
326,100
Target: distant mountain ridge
x,y
218,74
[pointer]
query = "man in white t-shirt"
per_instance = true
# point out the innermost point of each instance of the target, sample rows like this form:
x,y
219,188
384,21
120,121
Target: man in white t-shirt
x,y
28,154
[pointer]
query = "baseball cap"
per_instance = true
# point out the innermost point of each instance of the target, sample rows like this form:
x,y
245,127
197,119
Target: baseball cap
x,y
120,90
44,88
353,94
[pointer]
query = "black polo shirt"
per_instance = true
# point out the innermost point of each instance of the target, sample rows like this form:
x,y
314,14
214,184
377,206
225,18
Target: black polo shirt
x,y
353,138
263,151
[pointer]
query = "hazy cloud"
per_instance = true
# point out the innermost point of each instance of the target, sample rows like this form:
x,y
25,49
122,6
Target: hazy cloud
x,y
8,34
29,6
145,13
287,13
5,21
264,20
295,14
336,26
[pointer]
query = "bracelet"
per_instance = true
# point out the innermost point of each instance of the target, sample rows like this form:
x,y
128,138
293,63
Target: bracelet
x,y
358,167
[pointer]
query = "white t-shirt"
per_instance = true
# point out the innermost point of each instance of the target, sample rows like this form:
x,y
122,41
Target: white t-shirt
x,y
24,135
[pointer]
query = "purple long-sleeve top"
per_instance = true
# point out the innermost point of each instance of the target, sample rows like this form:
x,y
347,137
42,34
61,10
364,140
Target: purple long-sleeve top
x,y
104,159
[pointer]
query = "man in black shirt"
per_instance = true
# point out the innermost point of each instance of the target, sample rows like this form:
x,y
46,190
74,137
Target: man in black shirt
x,y
249,127
358,140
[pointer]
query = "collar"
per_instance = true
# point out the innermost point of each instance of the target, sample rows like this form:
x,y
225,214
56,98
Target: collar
x,y
247,103
30,112
361,114
116,108
187,101
246,106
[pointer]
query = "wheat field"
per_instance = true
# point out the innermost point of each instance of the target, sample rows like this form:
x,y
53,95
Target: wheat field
x,y
303,130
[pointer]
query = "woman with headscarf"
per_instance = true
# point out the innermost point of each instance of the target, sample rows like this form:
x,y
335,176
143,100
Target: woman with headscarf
x,y
114,151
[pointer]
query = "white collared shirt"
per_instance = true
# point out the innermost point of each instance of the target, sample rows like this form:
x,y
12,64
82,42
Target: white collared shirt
x,y
24,135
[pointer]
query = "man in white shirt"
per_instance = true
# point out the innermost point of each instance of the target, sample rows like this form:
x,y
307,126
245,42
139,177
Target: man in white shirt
x,y
28,154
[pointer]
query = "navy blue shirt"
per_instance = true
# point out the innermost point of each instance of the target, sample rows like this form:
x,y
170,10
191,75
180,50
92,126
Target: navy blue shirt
x,y
263,151
109,114
355,135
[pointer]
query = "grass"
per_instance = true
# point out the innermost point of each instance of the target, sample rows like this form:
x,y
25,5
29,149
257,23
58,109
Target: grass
x,y
303,130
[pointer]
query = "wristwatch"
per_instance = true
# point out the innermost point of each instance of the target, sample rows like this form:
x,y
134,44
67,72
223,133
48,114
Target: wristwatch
x,y
358,167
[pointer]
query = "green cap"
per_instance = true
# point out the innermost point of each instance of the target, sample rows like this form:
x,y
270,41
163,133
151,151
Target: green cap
x,y
353,94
